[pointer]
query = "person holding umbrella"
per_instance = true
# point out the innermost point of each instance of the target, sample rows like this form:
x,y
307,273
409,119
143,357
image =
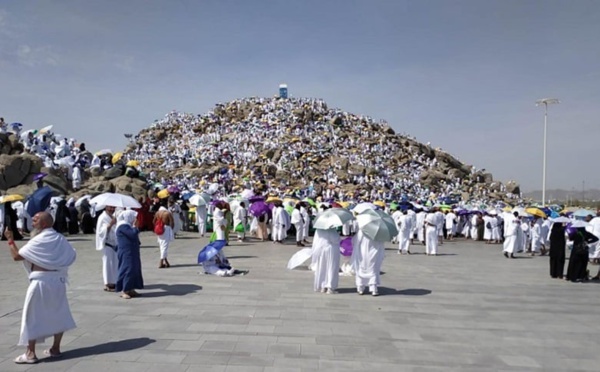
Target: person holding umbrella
x,y
326,249
375,227
106,242
366,260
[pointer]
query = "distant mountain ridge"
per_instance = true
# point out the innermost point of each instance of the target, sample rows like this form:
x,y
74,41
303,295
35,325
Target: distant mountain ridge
x,y
566,196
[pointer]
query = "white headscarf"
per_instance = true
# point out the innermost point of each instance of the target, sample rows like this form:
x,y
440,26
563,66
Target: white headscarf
x,y
126,217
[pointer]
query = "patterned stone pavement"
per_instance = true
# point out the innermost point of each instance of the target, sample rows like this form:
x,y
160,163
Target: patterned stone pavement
x,y
469,309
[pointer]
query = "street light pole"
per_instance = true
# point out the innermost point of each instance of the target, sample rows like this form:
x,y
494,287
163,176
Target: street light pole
x,y
545,102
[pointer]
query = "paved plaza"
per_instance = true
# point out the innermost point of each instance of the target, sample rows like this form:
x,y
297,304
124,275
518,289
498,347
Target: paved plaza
x,y
469,309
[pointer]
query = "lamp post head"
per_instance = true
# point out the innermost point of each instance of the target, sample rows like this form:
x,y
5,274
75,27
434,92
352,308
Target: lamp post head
x,y
546,101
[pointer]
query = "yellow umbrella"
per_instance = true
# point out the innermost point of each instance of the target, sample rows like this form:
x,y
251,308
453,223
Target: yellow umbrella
x,y
536,212
272,199
163,194
116,157
290,200
344,204
379,203
11,198
508,208
132,163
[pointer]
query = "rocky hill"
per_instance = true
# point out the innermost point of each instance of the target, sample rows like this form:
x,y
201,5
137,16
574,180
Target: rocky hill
x,y
302,140
297,142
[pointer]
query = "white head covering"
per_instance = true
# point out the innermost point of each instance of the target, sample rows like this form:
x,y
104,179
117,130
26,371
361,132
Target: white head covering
x,y
126,217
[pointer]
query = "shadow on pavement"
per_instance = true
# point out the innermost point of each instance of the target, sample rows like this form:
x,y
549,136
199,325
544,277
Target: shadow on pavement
x,y
405,292
239,257
186,265
109,347
170,290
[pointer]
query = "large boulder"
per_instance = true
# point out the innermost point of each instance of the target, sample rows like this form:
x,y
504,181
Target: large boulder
x,y
134,187
513,188
57,183
15,169
114,172
432,177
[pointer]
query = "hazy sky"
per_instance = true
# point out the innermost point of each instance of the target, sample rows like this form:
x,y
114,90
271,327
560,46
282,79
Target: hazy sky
x,y
463,75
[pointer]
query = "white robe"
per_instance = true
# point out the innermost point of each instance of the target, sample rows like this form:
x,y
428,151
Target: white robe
x,y
306,227
164,241
536,237
46,310
450,223
219,223
240,217
367,257
431,234
326,251
512,235
279,227
201,219
404,230
298,221
110,261
594,228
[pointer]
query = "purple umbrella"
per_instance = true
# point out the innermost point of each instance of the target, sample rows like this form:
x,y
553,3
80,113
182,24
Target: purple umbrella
x,y
39,176
256,198
173,189
259,208
346,246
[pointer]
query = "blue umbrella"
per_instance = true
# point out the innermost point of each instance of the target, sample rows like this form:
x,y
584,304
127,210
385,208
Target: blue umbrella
x,y
39,200
211,250
584,213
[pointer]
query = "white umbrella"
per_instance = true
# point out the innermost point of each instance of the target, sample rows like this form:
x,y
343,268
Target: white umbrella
x,y
115,200
46,129
361,207
213,188
521,211
200,199
299,258
579,223
104,152
332,218
561,219
377,225
247,194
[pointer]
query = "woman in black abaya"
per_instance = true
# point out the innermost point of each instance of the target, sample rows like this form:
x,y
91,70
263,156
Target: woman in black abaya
x,y
557,250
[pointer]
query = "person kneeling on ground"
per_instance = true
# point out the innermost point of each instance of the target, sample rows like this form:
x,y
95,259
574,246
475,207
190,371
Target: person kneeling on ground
x,y
219,266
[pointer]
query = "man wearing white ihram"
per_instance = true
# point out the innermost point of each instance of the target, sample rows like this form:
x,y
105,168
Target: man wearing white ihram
x,y
367,257
326,257
106,241
201,214
405,228
431,233
46,257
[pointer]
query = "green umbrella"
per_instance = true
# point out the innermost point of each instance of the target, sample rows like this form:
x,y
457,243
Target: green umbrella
x,y
394,206
310,202
377,225
332,218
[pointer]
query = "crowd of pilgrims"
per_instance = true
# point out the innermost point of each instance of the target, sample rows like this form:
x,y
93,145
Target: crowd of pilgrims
x,y
417,225
271,124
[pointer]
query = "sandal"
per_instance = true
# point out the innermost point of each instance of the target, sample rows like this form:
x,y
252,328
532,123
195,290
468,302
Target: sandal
x,y
125,296
49,354
22,359
108,289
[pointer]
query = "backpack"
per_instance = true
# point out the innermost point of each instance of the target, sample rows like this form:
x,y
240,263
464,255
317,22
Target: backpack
x,y
159,227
